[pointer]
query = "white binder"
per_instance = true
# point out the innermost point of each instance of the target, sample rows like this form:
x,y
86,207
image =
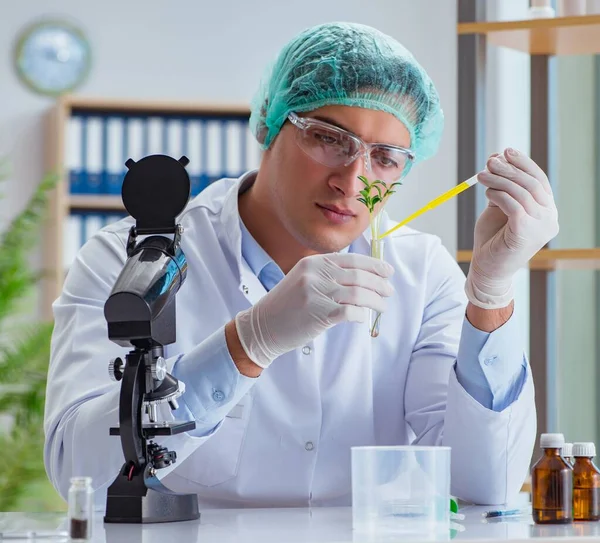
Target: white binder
x,y
115,163
155,136
73,153
94,152
214,166
234,141
135,139
193,151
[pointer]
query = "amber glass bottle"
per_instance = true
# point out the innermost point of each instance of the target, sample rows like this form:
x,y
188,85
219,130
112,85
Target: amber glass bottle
x,y
552,484
586,483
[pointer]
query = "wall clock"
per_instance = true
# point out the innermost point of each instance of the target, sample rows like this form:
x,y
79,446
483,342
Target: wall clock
x,y
52,57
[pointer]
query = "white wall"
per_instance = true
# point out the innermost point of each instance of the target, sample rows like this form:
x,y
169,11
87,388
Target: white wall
x,y
217,51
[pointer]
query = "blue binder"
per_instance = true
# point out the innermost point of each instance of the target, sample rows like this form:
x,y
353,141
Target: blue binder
x,y
96,162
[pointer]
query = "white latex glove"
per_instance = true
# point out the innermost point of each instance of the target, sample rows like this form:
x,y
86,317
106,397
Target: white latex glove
x,y
319,292
520,219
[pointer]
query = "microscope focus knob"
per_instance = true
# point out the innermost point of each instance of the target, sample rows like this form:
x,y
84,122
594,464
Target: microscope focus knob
x,y
159,369
115,369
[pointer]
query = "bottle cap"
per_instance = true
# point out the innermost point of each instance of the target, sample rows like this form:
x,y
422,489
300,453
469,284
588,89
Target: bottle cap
x,y
544,12
567,450
584,449
81,481
552,441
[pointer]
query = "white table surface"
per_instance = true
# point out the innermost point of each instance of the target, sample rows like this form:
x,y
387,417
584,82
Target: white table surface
x,y
317,525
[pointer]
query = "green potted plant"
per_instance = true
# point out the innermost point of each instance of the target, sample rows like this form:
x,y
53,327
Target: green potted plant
x,y
24,355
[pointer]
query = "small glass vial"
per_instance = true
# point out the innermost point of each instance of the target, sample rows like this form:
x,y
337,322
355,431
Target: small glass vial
x,y
586,483
81,508
567,453
552,484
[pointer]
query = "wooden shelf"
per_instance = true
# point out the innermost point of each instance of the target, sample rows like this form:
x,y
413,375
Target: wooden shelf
x,y
556,36
101,202
73,102
555,259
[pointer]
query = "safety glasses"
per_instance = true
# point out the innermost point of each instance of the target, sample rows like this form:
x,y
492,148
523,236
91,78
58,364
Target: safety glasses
x,y
334,147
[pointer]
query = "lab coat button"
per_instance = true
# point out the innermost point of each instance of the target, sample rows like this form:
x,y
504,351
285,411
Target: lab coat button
x,y
309,446
245,289
306,349
490,361
218,396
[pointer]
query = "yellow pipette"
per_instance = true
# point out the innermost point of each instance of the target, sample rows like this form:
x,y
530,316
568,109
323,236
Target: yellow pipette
x,y
434,203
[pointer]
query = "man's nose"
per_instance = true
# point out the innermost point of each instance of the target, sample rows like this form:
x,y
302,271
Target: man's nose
x,y
346,179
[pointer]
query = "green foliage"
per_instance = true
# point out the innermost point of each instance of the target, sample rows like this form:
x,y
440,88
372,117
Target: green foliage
x,y
16,277
24,355
370,199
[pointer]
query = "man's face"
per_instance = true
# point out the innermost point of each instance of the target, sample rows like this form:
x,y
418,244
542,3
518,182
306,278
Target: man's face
x,y
318,204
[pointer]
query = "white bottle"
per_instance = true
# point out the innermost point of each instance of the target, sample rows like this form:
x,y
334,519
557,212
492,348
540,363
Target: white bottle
x,y
571,8
541,9
567,452
593,7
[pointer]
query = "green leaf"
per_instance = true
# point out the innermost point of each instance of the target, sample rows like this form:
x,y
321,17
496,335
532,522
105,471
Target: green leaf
x,y
31,346
16,244
376,200
378,191
364,180
362,200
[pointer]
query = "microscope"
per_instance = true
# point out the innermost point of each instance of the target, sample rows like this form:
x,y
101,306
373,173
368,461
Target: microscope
x,y
140,313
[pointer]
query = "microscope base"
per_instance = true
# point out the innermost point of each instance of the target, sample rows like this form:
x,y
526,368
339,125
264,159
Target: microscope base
x,y
129,502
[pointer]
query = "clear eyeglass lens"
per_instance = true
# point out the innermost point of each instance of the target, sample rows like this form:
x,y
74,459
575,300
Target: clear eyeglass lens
x,y
334,148
329,146
388,163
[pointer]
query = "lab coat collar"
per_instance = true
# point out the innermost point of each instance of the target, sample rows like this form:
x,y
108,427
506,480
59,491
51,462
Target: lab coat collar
x,y
230,219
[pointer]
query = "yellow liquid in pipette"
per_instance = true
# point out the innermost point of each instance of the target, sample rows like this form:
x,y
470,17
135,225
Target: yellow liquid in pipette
x,y
434,203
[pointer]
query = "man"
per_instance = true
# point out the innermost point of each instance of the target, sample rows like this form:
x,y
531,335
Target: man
x,y
273,345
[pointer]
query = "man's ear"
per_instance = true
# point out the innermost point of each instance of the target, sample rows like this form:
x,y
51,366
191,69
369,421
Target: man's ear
x,y
261,136
262,131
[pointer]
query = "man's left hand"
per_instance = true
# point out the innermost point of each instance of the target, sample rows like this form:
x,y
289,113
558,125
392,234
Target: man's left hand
x,y
520,219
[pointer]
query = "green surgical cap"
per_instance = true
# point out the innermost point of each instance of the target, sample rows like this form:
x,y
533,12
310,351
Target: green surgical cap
x,y
353,65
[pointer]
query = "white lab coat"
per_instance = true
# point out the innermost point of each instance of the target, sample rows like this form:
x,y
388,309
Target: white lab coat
x,y
287,441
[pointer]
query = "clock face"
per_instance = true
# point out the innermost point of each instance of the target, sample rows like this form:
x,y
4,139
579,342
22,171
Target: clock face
x,y
52,58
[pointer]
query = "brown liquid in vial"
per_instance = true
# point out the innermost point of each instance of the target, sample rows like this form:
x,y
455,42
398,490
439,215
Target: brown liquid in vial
x,y
552,489
586,490
79,529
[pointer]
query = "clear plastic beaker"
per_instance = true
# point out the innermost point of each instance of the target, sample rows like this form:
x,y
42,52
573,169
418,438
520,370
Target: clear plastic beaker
x,y
401,489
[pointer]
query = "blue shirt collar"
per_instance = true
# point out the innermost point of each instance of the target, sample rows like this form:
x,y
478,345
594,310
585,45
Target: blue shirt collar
x,y
261,264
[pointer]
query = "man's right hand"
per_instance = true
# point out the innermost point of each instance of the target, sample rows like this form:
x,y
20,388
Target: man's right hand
x,y
319,292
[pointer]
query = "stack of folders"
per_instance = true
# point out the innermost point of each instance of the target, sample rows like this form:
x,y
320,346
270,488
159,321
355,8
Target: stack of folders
x,y
80,226
99,144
